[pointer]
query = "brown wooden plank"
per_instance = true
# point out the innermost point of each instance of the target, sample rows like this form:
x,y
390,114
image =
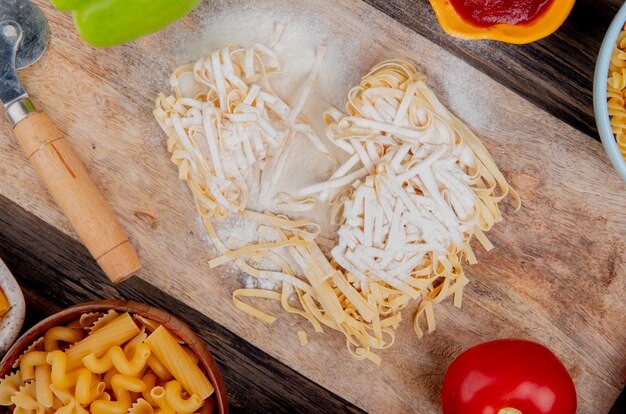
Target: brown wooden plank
x,y
528,286
555,73
30,256
55,271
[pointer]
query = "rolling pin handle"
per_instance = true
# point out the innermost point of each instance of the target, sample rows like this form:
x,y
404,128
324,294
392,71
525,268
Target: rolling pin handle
x,y
69,183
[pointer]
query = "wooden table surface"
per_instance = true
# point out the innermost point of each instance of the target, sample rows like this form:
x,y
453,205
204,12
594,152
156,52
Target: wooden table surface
x,y
554,74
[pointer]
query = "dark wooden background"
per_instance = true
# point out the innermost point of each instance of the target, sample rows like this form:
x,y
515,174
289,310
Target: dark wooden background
x,y
555,73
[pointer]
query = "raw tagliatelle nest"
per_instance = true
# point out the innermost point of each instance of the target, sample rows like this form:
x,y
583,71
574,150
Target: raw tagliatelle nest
x,y
416,186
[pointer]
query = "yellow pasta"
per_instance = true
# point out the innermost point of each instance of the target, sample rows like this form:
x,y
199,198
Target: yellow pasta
x,y
100,341
60,376
616,91
129,348
107,378
146,323
67,404
102,320
122,386
88,386
119,376
141,407
9,385
58,334
180,404
29,361
43,382
4,303
159,397
158,368
115,357
87,320
150,379
302,338
167,350
416,187
26,400
37,345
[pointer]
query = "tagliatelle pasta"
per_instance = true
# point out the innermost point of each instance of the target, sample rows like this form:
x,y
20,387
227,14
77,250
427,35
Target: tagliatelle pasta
x,y
117,381
616,91
416,187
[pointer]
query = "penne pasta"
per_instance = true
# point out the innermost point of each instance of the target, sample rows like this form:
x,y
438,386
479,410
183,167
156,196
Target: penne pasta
x,y
167,350
43,381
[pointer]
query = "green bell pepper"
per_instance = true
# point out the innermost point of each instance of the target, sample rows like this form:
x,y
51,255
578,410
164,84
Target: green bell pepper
x,y
104,23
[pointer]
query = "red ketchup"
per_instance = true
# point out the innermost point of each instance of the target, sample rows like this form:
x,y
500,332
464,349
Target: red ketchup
x,y
486,13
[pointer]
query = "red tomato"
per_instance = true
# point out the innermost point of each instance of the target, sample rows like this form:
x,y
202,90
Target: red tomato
x,y
521,376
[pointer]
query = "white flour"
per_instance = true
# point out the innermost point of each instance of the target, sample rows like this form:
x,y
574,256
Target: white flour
x,y
296,47
344,64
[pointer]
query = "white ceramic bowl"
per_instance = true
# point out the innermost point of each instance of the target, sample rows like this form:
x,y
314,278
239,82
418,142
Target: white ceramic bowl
x,y
600,90
12,321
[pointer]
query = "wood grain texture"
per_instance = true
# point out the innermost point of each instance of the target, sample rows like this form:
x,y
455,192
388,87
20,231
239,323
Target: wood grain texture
x,y
557,273
55,272
555,73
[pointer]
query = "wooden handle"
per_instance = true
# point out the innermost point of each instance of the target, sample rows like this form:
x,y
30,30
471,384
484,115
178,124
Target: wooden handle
x,y
70,185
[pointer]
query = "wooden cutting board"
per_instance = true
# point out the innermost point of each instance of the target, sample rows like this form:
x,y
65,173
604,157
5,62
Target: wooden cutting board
x,y
557,274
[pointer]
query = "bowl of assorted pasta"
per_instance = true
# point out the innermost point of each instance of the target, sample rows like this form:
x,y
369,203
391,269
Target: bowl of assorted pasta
x,y
609,92
111,357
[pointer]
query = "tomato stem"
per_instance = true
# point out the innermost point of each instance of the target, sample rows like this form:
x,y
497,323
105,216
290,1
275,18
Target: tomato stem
x,y
509,410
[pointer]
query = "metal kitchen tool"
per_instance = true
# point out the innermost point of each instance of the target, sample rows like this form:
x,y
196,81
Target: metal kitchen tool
x,y
23,39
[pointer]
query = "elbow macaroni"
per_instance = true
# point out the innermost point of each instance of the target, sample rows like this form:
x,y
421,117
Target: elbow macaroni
x,y
61,333
107,364
115,357
175,399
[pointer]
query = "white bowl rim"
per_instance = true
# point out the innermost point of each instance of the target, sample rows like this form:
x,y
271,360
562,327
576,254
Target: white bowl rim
x,y
600,92
10,323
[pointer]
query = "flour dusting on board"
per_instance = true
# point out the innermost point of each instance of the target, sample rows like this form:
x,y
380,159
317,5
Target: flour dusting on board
x,y
305,164
296,47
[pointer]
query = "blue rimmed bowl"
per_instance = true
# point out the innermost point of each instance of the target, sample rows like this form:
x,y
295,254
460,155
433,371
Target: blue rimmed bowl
x,y
600,92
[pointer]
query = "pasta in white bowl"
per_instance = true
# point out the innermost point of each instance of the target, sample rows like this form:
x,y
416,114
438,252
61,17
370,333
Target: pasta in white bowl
x,y
608,93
